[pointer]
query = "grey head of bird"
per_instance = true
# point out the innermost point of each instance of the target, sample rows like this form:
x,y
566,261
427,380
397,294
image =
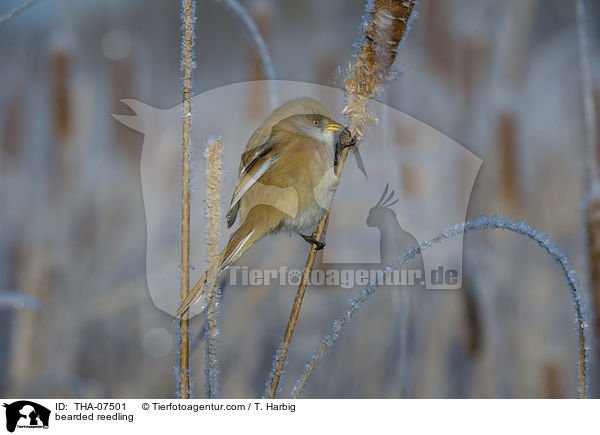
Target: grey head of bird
x,y
314,126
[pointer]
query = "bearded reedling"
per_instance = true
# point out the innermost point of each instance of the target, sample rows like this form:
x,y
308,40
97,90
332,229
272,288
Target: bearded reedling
x,y
285,182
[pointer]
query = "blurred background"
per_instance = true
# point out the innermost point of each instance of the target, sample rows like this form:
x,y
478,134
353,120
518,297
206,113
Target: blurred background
x,y
501,78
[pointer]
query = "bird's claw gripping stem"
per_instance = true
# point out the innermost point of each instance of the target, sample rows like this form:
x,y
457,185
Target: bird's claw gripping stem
x,y
313,241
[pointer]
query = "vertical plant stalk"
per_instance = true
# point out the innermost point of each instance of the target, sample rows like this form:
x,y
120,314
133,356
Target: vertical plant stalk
x,y
385,25
592,202
587,96
61,97
214,171
187,65
480,224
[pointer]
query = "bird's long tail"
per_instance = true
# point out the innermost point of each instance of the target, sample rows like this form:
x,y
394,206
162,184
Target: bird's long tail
x,y
197,292
239,243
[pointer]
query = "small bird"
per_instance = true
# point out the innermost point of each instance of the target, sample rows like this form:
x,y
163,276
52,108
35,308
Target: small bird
x,y
286,179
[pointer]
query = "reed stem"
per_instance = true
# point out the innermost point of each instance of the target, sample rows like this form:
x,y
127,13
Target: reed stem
x,y
214,171
386,22
187,66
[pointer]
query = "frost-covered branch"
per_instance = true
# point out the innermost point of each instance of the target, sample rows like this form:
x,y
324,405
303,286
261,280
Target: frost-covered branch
x,y
214,175
18,9
19,301
480,224
188,17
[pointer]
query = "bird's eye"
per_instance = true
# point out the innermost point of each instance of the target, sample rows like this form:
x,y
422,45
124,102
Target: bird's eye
x,y
316,122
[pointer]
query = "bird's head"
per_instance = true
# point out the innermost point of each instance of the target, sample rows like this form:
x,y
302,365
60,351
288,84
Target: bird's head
x,y
316,126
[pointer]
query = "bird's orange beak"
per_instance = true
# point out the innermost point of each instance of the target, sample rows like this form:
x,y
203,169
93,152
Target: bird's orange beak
x,y
334,126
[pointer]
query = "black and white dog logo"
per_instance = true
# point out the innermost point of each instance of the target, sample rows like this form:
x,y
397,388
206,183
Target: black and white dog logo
x,y
26,414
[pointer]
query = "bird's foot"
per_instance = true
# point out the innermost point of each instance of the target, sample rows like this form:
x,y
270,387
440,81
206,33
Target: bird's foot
x,y
351,143
313,241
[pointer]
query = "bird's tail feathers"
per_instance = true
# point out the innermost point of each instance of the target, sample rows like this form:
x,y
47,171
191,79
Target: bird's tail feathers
x,y
238,244
196,293
232,215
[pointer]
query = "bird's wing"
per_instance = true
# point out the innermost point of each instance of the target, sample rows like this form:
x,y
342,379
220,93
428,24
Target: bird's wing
x,y
254,165
259,141
250,155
